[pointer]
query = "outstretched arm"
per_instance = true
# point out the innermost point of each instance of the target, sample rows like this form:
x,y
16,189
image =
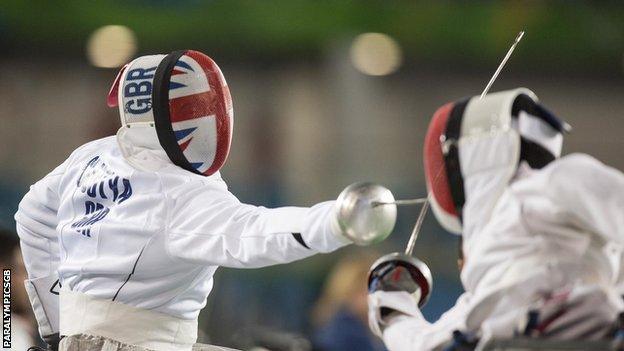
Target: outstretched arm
x,y
211,226
398,286
409,331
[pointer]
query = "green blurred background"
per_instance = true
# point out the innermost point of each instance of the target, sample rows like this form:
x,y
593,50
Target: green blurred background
x,y
564,35
317,106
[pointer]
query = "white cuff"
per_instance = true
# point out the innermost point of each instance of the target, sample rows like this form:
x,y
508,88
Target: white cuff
x,y
318,233
44,299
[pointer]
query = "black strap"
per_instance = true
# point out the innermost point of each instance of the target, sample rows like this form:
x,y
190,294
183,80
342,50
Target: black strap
x,y
534,154
162,119
525,103
300,240
451,158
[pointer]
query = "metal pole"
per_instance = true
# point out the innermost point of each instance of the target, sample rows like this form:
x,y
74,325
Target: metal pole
x,y
401,202
419,222
502,64
423,210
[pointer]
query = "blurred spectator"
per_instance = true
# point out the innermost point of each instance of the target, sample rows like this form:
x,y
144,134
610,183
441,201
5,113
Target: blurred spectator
x,y
340,314
23,325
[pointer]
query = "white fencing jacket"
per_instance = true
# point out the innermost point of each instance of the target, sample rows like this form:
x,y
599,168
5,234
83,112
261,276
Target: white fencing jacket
x,y
551,228
151,240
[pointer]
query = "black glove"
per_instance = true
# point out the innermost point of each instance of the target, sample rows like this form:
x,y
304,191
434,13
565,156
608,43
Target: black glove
x,y
52,340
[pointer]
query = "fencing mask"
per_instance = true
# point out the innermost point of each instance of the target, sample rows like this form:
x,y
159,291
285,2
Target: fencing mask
x,y
179,103
473,148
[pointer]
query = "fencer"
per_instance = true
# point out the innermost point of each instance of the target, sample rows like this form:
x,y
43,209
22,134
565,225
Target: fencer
x,y
537,231
121,241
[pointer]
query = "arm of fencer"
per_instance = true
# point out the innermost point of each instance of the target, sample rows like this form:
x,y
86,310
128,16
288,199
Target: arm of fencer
x,y
212,227
591,193
412,332
36,226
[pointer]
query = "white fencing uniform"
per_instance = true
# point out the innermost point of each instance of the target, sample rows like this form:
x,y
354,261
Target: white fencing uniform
x,y
547,232
536,228
148,241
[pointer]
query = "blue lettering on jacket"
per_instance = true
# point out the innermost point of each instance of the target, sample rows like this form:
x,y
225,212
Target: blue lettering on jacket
x,y
99,183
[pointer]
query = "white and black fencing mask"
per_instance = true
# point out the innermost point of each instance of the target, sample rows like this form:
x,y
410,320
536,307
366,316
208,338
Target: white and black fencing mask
x,y
473,148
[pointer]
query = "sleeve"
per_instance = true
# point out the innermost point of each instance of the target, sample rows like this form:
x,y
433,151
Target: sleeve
x,y
591,194
213,227
410,333
36,220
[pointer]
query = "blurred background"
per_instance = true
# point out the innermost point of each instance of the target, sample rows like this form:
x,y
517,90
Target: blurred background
x,y
325,93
